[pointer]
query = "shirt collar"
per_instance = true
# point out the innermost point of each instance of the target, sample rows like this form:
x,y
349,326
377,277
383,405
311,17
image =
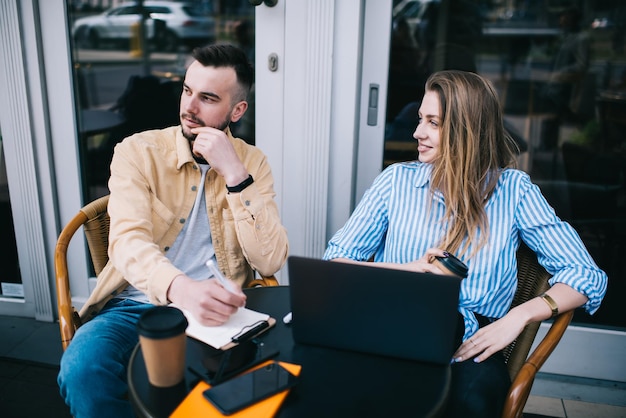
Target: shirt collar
x,y
422,178
422,175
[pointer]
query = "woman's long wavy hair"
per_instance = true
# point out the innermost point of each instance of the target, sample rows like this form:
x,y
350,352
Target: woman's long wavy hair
x,y
474,148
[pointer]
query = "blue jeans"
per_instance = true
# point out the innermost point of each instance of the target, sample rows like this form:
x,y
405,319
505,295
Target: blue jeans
x,y
92,377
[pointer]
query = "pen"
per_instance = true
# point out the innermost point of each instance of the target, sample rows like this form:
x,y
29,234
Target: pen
x,y
252,332
228,285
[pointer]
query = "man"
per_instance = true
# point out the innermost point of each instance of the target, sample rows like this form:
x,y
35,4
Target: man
x,y
179,196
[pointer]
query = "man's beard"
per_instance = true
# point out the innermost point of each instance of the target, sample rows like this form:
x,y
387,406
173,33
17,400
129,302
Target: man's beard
x,y
192,137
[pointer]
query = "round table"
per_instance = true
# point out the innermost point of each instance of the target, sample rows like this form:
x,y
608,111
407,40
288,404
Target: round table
x,y
333,383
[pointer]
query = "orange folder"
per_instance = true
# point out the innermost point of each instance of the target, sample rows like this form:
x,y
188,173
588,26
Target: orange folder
x,y
195,405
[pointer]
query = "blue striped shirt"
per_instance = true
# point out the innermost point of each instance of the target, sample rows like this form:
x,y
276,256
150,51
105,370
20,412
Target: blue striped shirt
x,y
394,223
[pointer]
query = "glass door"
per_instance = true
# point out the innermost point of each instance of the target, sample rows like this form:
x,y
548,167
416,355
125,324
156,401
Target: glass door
x,y
574,152
130,79
11,287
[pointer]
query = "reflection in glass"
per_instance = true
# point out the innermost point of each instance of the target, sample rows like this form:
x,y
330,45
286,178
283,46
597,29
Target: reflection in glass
x,y
129,64
10,277
561,75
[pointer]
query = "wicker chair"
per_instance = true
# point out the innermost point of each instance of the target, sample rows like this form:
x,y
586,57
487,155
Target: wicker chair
x,y
94,219
532,281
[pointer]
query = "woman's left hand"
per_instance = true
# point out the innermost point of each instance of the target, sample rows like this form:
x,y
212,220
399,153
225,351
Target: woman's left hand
x,y
491,338
497,335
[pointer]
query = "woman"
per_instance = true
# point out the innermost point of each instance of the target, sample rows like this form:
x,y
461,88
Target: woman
x,y
464,197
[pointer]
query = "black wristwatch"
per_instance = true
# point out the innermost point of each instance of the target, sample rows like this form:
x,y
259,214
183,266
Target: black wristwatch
x,y
238,188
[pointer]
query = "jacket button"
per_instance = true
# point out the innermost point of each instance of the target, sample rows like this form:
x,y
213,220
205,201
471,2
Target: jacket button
x,y
181,220
247,203
194,188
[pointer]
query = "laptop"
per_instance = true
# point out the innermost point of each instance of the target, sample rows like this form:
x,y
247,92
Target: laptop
x,y
374,310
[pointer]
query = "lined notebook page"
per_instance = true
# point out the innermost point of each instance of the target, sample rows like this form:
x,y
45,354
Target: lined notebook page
x,y
221,335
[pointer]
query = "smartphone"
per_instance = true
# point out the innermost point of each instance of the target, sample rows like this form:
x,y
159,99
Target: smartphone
x,y
251,387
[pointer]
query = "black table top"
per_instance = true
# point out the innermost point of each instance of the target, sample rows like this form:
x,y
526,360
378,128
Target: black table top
x,y
333,383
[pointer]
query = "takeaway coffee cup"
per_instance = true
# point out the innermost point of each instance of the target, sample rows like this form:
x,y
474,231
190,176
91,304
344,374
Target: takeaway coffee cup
x,y
451,265
163,341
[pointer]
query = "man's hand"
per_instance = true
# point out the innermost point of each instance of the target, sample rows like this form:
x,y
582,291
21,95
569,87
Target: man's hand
x,y
207,300
213,145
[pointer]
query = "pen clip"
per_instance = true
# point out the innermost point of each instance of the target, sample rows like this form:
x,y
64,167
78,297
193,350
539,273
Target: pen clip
x,y
250,331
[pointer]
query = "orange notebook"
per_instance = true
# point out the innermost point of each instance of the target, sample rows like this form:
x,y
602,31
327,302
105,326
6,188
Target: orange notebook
x,y
195,405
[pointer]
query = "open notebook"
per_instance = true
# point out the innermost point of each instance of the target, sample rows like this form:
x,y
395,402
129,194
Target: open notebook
x,y
243,325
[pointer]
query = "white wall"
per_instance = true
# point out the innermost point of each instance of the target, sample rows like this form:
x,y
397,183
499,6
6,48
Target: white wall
x,y
310,144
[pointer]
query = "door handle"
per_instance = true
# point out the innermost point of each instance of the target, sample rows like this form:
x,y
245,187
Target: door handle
x,y
268,3
372,105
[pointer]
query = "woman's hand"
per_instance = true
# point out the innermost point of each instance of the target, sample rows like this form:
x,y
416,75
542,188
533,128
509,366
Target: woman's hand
x,y
491,338
497,335
424,264
421,265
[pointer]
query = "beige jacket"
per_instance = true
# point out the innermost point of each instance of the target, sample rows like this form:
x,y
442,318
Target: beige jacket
x,y
153,187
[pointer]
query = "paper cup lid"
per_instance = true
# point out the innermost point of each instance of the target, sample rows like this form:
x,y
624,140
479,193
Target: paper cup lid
x,y
162,322
455,265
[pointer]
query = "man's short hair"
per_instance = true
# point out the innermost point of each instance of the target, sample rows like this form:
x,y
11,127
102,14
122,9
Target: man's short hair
x,y
227,55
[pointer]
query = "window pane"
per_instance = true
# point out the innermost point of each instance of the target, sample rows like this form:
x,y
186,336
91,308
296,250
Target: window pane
x,y
126,82
561,76
10,277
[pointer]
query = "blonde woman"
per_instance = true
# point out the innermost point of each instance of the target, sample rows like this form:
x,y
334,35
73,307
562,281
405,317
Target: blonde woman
x,y
463,196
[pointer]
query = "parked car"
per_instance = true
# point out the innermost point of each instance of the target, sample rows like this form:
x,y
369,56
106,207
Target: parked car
x,y
168,24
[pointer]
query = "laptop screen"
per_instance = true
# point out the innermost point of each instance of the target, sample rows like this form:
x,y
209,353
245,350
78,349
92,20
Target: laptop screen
x,y
374,310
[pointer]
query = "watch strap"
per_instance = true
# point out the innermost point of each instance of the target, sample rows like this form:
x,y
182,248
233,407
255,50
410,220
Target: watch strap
x,y
551,303
241,186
